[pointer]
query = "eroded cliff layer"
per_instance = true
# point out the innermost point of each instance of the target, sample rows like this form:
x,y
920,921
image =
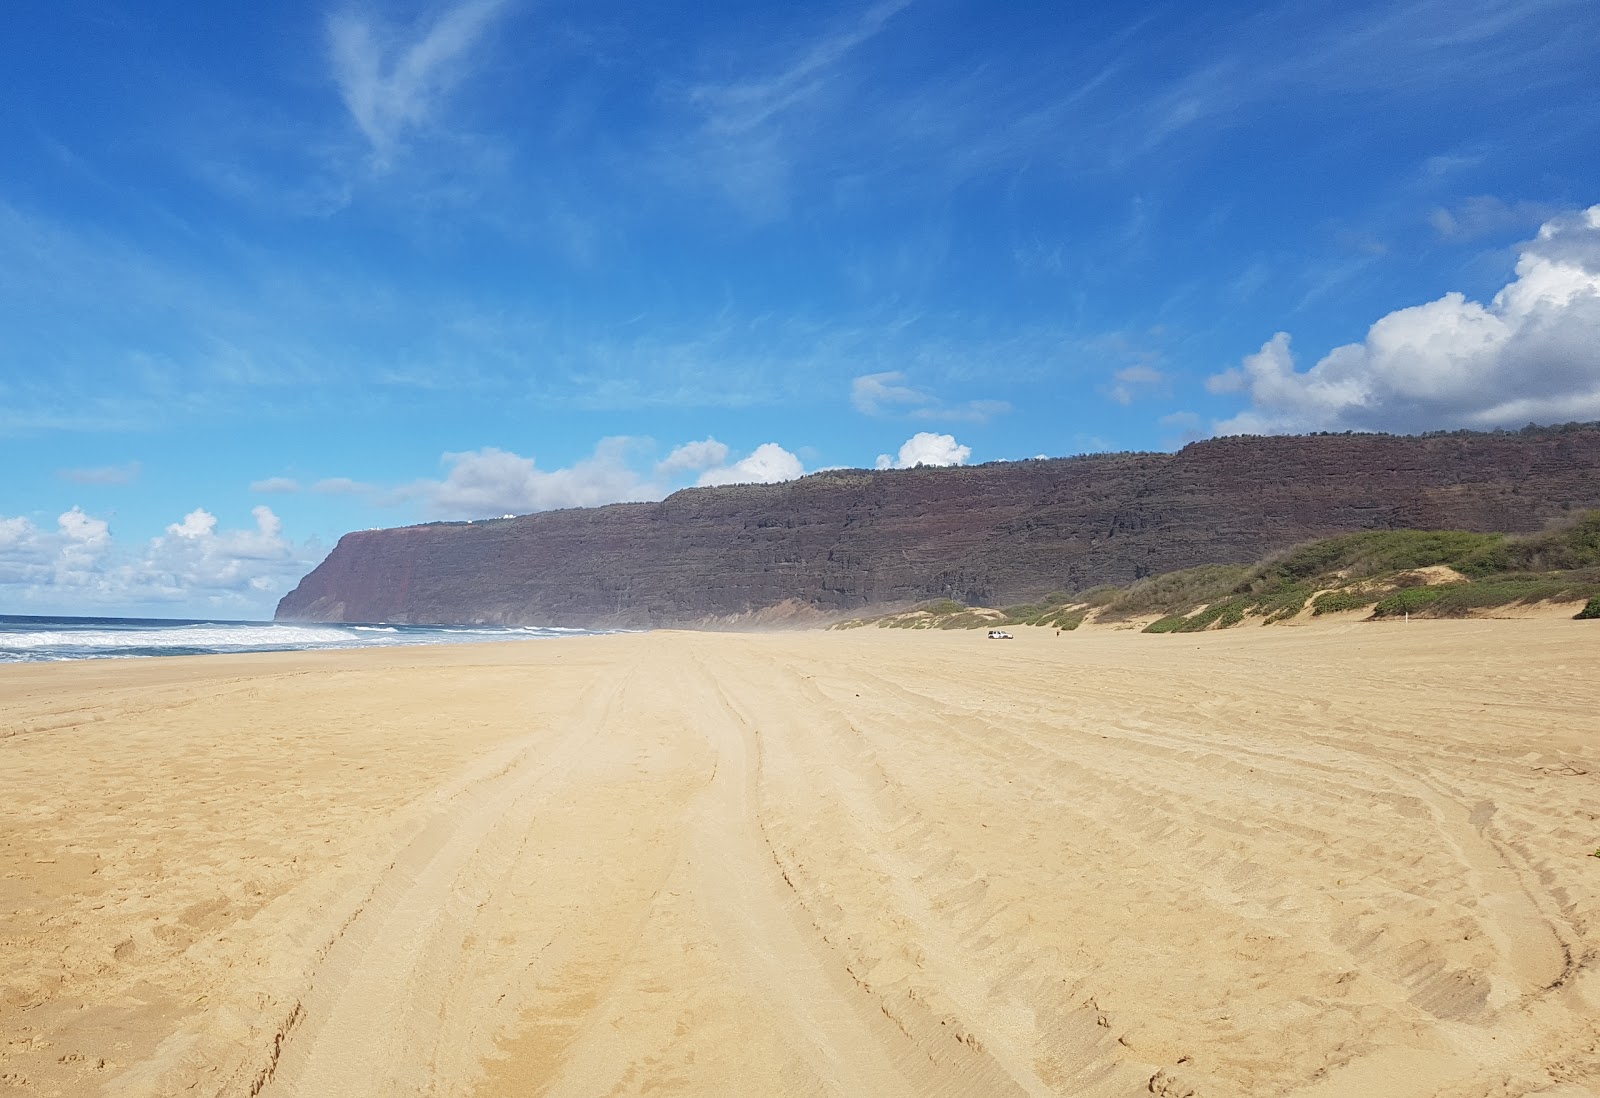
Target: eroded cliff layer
x,y
991,534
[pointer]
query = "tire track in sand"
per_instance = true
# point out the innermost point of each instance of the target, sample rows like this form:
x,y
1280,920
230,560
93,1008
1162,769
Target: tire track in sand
x,y
845,1041
930,1050
370,1019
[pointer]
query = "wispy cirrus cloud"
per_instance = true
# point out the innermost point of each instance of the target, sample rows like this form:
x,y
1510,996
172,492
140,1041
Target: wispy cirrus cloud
x,y
275,485
392,82
103,474
888,394
1131,382
752,127
1483,215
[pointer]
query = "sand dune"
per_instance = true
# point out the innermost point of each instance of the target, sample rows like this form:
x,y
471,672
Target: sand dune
x,y
1346,860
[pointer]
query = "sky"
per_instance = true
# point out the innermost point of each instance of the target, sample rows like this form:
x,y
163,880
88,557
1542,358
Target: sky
x,y
271,273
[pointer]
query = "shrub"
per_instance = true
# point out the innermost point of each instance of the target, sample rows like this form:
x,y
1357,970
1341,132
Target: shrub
x,y
1285,602
1024,614
1331,602
1170,624
1101,595
940,607
1590,610
1408,600
1174,590
1571,545
965,620
1374,552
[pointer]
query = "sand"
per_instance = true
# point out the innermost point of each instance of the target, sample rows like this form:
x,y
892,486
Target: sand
x,y
1344,860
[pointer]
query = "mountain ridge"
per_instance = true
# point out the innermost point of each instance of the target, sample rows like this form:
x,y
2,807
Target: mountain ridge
x,y
838,542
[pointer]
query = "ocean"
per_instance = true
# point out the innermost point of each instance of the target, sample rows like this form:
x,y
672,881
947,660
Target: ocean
x,y
25,639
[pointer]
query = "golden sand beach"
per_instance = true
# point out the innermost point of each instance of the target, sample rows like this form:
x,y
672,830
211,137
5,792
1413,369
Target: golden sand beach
x,y
1341,860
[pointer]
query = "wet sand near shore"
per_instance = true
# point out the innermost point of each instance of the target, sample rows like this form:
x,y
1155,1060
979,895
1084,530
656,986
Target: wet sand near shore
x,y
1332,861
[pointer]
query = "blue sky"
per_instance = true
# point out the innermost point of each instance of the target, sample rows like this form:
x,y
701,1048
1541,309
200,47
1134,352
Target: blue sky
x,y
275,273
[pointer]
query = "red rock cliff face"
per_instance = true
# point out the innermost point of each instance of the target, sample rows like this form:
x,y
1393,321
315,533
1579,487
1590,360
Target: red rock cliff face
x,y
991,534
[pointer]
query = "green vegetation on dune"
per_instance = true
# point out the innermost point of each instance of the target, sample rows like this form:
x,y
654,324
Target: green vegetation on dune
x,y
1385,570
1332,602
1173,591
1381,569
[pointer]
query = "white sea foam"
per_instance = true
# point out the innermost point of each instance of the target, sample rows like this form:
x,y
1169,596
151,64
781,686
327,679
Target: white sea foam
x,y
34,640
183,636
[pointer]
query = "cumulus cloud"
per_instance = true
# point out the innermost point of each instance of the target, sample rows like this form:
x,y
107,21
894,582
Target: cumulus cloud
x,y
80,567
693,456
927,448
194,555
15,533
1531,354
197,524
768,463
491,481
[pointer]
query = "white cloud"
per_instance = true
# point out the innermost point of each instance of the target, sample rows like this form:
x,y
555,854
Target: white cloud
x,y
768,463
1485,214
753,130
1531,354
16,533
275,484
875,394
197,524
1132,382
927,448
972,411
108,474
1186,427
691,456
81,568
390,85
491,481
84,531
195,556
888,393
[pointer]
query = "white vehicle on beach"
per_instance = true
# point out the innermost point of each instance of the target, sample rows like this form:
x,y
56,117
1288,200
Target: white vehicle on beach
x,y
999,635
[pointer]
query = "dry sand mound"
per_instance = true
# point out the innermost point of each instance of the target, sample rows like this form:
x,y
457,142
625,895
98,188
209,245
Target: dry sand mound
x,y
1332,861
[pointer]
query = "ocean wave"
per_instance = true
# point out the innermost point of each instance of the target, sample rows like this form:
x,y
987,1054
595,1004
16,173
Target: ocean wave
x,y
177,636
66,639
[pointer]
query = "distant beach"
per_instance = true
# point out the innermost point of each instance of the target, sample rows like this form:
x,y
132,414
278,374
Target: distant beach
x,y
32,639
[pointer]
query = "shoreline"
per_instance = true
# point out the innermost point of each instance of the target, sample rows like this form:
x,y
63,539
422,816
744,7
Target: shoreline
x,y
771,862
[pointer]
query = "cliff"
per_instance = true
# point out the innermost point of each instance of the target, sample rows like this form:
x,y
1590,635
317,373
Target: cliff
x,y
837,542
